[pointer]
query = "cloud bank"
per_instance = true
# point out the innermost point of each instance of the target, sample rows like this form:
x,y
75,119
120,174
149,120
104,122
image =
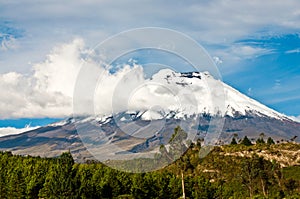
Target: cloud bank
x,y
46,91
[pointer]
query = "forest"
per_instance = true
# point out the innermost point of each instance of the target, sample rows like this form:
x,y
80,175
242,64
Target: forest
x,y
218,175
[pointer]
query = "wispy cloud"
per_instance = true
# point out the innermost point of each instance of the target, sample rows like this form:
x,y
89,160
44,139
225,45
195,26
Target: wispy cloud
x,y
284,99
209,22
9,36
297,50
249,91
277,84
234,55
8,43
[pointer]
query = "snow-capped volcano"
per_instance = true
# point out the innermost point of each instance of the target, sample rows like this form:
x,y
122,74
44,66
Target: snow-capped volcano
x,y
144,114
184,94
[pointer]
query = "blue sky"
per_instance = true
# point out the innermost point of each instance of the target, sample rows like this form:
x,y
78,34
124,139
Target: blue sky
x,y
23,122
256,46
272,78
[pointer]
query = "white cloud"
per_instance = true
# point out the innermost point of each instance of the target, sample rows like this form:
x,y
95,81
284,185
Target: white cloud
x,y
297,50
238,52
209,22
12,131
58,73
47,91
249,91
245,51
234,54
217,60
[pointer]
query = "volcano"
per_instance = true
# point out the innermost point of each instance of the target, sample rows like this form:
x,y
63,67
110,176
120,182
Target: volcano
x,y
206,108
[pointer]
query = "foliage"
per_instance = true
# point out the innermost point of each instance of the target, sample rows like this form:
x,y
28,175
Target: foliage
x,y
215,176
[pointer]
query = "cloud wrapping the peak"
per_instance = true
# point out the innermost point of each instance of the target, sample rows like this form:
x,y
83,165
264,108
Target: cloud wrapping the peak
x,y
48,90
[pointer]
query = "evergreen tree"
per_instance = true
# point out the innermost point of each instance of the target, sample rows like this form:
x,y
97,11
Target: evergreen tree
x,y
233,141
270,141
260,141
59,179
246,141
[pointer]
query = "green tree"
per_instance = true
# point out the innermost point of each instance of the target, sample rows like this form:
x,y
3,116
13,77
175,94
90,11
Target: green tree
x,y
270,141
246,141
233,141
59,179
203,189
249,174
139,186
260,141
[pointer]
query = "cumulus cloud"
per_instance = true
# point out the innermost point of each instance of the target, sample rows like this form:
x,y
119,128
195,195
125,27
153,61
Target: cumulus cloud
x,y
47,90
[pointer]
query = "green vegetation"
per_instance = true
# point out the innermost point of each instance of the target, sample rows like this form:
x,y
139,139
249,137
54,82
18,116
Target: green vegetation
x,y
221,174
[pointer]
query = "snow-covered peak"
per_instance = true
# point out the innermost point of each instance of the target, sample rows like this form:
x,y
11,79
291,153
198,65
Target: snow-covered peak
x,y
170,94
205,90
